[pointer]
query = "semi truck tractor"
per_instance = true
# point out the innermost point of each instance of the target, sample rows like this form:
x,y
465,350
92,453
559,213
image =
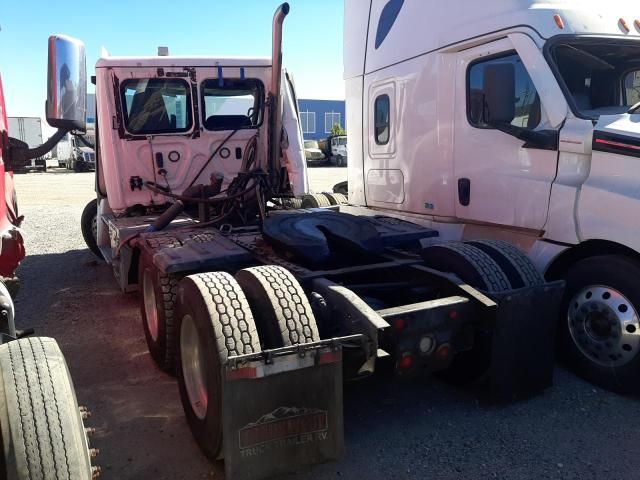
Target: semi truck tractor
x,y
517,121
41,425
261,310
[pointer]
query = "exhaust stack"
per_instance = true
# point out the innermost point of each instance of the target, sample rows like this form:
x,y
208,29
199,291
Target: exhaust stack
x,y
275,108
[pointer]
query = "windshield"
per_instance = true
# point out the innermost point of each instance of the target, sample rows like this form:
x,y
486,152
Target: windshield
x,y
601,75
310,144
232,103
156,105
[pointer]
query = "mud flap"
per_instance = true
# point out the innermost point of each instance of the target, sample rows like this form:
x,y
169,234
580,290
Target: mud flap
x,y
523,349
282,410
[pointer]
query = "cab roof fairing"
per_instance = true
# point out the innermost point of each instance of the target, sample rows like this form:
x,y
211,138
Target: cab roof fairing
x,y
421,27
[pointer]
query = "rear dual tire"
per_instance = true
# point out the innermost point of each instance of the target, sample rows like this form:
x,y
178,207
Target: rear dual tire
x,y
158,292
216,320
491,266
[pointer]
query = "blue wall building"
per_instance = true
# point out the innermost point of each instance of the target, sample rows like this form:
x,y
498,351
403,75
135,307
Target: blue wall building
x,y
318,116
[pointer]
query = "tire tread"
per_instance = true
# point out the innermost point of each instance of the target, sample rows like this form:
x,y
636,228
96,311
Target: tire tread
x,y
287,300
41,407
491,273
525,268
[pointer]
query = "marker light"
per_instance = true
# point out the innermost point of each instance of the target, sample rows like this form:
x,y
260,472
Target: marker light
x,y
399,324
443,352
453,314
559,22
406,362
623,24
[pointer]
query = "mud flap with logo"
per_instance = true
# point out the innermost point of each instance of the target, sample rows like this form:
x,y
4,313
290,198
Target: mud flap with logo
x,y
282,410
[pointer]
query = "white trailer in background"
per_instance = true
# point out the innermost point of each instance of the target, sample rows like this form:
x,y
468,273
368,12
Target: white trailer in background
x,y
29,131
515,120
63,151
26,129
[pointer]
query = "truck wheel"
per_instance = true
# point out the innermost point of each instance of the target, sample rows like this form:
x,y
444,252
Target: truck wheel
x,y
157,306
42,430
291,202
342,187
469,263
89,227
214,322
514,263
280,306
479,270
599,323
335,198
340,162
315,201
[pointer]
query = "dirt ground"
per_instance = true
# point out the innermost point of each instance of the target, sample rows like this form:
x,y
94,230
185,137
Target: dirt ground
x,y
420,429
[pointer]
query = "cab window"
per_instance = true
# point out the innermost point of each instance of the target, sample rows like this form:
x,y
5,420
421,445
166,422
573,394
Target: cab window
x,y
232,104
156,105
526,101
632,87
382,119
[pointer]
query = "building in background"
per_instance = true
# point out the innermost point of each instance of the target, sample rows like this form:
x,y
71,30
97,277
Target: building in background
x,y
91,108
317,117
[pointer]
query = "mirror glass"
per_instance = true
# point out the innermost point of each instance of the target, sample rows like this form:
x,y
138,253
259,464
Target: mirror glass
x,y
66,83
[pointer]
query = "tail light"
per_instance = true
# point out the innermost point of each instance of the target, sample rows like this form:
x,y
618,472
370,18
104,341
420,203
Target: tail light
x,y
406,362
399,324
444,352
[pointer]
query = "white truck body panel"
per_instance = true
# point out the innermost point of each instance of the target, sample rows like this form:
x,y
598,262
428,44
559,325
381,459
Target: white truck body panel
x,y
419,54
510,183
609,203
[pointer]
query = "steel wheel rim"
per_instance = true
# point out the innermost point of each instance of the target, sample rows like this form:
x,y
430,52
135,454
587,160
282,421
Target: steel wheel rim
x,y
604,326
150,306
193,367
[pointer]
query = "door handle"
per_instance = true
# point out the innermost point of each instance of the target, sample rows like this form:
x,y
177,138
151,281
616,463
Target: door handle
x,y
464,191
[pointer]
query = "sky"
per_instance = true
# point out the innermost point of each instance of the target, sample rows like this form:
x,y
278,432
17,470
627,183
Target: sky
x,y
312,38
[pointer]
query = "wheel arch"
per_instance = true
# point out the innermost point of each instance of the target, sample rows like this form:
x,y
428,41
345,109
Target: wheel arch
x,y
584,250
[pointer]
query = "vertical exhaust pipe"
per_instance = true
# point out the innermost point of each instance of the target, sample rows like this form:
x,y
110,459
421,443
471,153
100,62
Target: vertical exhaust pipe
x,y
275,107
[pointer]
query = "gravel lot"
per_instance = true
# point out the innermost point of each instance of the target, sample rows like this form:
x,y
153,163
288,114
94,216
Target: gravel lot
x,y
416,430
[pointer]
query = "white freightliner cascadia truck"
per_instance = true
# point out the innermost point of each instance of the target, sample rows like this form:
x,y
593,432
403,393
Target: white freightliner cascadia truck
x,y
261,309
515,120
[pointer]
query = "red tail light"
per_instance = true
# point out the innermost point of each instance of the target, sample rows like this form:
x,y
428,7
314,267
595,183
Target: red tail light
x,y
443,352
399,324
406,362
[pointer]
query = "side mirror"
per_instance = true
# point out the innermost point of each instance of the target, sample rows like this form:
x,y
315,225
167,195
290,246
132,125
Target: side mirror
x,y
66,84
499,93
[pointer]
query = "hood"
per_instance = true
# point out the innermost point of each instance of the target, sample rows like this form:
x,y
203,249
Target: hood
x,y
84,149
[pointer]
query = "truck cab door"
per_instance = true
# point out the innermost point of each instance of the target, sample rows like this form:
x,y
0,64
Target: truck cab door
x,y
501,179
